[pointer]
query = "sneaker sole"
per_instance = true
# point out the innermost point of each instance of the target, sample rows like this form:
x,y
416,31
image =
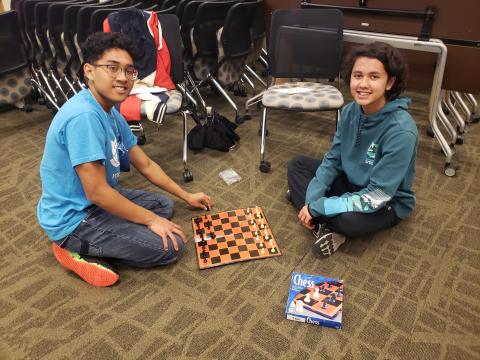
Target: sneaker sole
x,y
90,273
324,248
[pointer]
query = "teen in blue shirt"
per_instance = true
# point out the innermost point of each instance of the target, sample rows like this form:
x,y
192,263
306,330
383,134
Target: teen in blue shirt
x,y
364,182
87,217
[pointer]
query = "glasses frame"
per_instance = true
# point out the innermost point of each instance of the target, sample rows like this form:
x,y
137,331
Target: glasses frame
x,y
113,74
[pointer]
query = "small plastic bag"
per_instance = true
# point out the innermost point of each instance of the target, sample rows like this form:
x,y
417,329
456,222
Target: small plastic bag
x,y
230,176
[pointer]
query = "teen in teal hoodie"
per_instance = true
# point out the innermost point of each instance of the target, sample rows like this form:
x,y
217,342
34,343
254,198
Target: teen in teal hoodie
x,y
364,182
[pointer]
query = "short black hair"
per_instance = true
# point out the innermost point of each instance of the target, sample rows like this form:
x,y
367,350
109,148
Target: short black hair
x,y
392,59
99,42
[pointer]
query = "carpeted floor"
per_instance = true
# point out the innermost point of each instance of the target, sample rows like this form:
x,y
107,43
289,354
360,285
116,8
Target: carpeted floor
x,y
412,292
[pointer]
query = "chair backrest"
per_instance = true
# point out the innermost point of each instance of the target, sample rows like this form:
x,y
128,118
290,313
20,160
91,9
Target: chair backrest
x,y
12,50
171,34
169,3
210,18
187,22
238,27
99,15
170,10
55,25
180,8
84,17
259,21
306,43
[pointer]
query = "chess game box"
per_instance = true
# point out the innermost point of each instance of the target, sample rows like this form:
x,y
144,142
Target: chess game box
x,y
315,300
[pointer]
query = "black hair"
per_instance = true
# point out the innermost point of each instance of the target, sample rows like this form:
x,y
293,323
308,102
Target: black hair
x,y
99,42
392,59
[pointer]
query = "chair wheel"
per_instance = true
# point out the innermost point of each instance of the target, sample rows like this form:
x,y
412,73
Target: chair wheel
x,y
187,176
265,166
239,89
430,132
247,116
450,170
141,140
239,119
260,132
460,139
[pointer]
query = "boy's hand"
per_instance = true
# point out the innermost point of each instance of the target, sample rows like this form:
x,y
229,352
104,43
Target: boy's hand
x,y
199,200
306,218
166,229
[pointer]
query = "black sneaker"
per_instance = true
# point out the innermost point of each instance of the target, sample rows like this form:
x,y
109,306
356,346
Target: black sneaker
x,y
326,241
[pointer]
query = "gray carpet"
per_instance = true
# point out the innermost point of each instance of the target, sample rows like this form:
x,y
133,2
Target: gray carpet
x,y
411,292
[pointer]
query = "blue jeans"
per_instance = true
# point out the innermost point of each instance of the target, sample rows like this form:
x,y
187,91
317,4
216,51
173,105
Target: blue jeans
x,y
102,234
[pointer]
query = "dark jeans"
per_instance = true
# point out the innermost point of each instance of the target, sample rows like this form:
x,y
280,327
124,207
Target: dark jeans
x,y
102,234
302,169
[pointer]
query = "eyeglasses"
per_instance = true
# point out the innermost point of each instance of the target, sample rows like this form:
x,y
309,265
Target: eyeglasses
x,y
114,70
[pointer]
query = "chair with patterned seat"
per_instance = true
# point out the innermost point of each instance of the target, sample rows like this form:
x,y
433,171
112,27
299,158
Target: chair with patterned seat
x,y
304,44
14,71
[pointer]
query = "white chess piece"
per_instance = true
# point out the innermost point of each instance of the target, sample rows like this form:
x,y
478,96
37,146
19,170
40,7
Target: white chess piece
x,y
307,298
316,293
273,250
299,306
262,251
291,308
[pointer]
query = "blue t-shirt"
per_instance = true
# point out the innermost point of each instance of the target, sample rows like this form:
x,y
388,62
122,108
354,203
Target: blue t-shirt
x,y
81,132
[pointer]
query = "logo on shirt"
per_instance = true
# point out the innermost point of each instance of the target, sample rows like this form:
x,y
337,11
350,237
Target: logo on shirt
x,y
114,160
371,153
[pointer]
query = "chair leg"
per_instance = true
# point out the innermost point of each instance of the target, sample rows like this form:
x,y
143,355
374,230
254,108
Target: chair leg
x,y
255,75
187,175
264,165
225,95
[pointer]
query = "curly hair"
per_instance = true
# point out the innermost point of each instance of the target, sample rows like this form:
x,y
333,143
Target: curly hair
x,y
99,42
393,61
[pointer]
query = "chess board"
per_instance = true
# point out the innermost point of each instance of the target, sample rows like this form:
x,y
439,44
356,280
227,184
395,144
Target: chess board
x,y
327,302
233,236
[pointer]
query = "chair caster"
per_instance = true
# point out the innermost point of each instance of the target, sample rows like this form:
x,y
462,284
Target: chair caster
x,y
239,90
474,118
430,132
239,119
265,166
460,139
260,132
187,176
141,140
450,169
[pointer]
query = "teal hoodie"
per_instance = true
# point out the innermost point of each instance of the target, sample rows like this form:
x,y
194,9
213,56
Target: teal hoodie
x,y
376,152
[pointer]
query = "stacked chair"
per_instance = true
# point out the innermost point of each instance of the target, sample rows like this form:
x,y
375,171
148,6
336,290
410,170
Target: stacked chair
x,y
219,42
212,43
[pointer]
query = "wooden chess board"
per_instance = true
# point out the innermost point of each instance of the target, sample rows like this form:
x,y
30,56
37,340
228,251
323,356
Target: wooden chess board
x,y
233,236
326,301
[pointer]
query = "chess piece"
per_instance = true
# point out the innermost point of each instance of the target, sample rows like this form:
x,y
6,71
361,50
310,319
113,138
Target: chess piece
x,y
324,304
270,242
257,238
316,293
291,307
255,226
262,245
299,306
265,232
306,299
273,250
267,237
262,251
248,211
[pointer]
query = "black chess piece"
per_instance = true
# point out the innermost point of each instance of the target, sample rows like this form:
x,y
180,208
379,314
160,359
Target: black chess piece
x,y
324,304
212,235
198,220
